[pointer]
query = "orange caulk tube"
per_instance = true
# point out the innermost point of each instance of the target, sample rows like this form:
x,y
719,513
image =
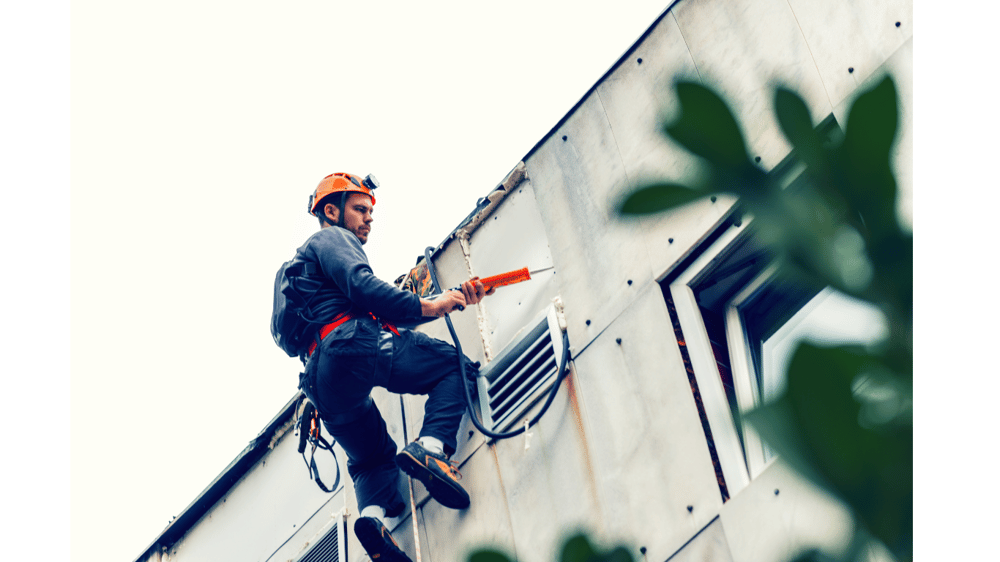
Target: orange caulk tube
x,y
509,278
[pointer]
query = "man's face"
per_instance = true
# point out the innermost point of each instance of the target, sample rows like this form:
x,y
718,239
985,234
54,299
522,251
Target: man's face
x,y
358,215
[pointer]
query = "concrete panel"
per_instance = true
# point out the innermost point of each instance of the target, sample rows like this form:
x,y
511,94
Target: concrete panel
x,y
549,480
513,238
708,544
637,95
743,48
486,522
650,458
576,182
276,501
780,514
900,67
851,34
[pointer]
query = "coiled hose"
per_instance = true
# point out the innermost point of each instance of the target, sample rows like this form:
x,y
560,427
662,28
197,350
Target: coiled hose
x,y
461,369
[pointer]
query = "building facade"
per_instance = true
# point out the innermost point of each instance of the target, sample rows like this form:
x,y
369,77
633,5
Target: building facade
x,y
627,450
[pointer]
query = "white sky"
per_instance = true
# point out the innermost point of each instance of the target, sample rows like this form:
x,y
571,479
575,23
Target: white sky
x,y
198,130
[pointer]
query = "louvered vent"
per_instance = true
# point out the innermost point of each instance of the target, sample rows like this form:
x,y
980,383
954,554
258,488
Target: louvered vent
x,y
519,375
331,548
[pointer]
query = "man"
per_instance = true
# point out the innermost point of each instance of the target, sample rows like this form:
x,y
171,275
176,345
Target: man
x,y
360,348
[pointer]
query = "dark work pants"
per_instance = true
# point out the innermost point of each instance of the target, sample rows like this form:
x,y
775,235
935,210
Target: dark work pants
x,y
339,377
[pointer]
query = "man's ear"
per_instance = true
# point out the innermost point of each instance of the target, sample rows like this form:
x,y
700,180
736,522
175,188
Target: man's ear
x,y
331,212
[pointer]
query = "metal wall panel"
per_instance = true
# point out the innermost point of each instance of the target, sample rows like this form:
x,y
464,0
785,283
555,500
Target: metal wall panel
x,y
649,449
851,34
780,513
549,480
450,533
576,182
900,67
638,98
637,95
276,501
743,47
512,238
709,544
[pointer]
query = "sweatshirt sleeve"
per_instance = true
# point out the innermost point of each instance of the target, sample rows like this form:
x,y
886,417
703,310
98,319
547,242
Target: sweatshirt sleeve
x,y
344,262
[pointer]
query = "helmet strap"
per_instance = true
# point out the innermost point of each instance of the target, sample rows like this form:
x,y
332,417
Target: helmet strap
x,y
343,207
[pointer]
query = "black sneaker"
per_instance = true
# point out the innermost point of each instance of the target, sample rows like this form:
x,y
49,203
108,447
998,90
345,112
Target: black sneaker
x,y
436,472
377,541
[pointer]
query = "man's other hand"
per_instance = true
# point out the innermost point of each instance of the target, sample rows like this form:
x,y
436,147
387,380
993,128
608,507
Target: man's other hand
x,y
474,291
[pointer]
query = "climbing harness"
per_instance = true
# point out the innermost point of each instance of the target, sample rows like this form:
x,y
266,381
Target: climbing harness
x,y
309,432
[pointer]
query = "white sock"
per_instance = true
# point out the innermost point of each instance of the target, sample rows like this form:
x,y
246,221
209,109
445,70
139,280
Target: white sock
x,y
378,512
432,444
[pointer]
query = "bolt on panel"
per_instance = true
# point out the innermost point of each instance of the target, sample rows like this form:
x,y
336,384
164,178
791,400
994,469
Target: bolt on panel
x,y
576,183
900,67
779,513
745,47
650,454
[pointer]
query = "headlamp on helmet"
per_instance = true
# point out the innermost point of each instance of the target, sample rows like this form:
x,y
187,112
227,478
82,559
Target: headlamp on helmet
x,y
344,183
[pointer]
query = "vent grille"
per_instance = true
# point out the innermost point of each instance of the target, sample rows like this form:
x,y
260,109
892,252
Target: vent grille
x,y
520,374
328,548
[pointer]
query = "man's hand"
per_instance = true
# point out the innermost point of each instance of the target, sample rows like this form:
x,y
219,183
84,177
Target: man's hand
x,y
445,303
474,291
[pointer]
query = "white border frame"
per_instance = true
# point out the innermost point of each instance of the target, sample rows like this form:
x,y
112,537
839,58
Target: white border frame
x,y
706,371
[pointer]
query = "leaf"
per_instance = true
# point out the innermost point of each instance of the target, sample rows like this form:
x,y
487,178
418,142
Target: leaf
x,y
796,123
657,198
707,128
815,426
488,555
577,549
863,167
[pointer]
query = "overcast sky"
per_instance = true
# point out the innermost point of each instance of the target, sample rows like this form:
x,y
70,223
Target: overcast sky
x,y
199,130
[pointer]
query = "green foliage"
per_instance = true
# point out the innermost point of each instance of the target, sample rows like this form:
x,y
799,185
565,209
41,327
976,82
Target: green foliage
x,y
845,420
577,548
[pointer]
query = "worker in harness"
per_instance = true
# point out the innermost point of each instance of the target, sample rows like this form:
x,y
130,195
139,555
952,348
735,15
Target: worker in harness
x,y
360,347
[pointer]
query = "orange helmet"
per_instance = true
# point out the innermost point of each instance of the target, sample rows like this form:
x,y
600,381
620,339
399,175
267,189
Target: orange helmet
x,y
341,183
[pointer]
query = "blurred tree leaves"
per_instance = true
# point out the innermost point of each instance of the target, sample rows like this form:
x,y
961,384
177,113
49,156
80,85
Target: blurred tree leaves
x,y
845,420
577,548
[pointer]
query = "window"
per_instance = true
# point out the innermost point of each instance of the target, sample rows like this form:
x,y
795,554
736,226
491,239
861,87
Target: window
x,y
738,325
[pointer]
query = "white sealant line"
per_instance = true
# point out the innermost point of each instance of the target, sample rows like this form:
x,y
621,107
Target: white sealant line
x,y
463,240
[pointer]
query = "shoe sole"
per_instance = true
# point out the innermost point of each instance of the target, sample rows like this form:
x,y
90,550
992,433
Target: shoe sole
x,y
370,537
441,489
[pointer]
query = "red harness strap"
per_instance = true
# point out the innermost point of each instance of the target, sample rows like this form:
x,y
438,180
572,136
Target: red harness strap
x,y
325,330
